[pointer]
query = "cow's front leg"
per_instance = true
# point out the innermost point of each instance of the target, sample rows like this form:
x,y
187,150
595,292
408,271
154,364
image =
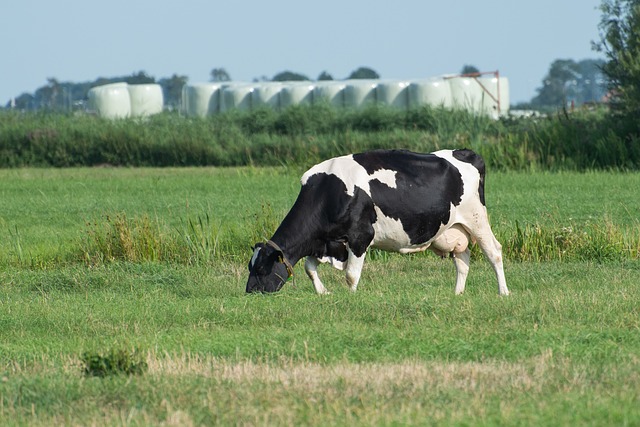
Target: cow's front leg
x,y
311,268
354,269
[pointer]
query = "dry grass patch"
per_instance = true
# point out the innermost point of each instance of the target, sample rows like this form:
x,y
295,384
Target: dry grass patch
x,y
410,376
192,389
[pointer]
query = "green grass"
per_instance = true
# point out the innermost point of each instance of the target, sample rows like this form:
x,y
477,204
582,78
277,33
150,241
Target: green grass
x,y
402,350
561,350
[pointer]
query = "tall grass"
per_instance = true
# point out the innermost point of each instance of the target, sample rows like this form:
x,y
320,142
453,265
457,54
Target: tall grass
x,y
203,216
140,239
596,242
119,238
577,141
201,238
199,241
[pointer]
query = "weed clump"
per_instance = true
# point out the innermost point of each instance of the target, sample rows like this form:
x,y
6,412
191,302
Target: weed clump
x,y
141,239
113,362
598,242
119,238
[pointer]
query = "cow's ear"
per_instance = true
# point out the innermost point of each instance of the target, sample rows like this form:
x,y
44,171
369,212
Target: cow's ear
x,y
258,245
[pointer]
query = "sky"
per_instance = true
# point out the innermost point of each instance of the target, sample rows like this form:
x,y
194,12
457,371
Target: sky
x,y
81,40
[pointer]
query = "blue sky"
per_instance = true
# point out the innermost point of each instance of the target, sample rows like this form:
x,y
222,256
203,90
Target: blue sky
x,y
73,40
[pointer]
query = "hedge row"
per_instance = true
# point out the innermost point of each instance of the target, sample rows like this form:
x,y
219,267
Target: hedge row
x,y
303,135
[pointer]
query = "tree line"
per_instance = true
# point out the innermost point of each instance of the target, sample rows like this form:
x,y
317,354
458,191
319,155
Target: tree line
x,y
69,96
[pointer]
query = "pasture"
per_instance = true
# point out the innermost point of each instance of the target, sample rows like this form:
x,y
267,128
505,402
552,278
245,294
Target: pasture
x,y
149,265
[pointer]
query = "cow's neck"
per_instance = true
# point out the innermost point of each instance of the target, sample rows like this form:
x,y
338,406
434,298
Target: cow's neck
x,y
292,247
295,235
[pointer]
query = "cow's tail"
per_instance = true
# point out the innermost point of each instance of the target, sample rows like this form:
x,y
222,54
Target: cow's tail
x,y
476,160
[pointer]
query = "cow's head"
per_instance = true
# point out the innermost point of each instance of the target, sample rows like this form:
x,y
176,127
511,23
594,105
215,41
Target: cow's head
x,y
268,269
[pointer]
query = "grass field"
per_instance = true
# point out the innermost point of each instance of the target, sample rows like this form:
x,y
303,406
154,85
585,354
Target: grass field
x,y
563,349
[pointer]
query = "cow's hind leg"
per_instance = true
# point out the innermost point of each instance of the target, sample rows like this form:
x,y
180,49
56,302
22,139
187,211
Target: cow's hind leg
x,y
493,251
354,269
461,260
311,268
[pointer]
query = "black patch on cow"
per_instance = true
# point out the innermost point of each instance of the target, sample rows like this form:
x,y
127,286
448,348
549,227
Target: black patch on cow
x,y
337,250
473,158
362,216
324,219
426,186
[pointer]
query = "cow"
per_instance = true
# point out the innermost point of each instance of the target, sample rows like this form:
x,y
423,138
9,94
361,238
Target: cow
x,y
394,200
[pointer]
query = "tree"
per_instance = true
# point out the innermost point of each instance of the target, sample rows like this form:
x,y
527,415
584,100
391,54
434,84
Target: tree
x,y
220,75
557,85
51,92
140,78
592,86
324,76
289,76
469,69
25,101
364,73
570,81
172,89
620,42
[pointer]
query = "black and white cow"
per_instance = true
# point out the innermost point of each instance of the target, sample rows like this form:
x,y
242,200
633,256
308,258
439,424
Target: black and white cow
x,y
392,200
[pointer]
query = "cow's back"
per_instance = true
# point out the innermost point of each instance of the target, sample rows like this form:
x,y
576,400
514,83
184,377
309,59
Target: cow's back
x,y
414,205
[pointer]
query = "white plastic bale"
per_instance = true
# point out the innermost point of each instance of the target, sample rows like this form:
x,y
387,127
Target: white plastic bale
x,y
393,93
294,93
201,99
434,92
237,97
505,96
266,94
111,101
489,99
493,93
481,94
146,99
330,92
183,99
467,94
360,93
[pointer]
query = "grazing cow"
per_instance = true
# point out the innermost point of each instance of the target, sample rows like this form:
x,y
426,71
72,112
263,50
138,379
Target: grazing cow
x,y
392,200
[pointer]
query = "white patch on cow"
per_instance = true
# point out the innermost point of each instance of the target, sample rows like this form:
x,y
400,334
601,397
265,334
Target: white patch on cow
x,y
346,169
254,257
385,176
339,265
389,234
